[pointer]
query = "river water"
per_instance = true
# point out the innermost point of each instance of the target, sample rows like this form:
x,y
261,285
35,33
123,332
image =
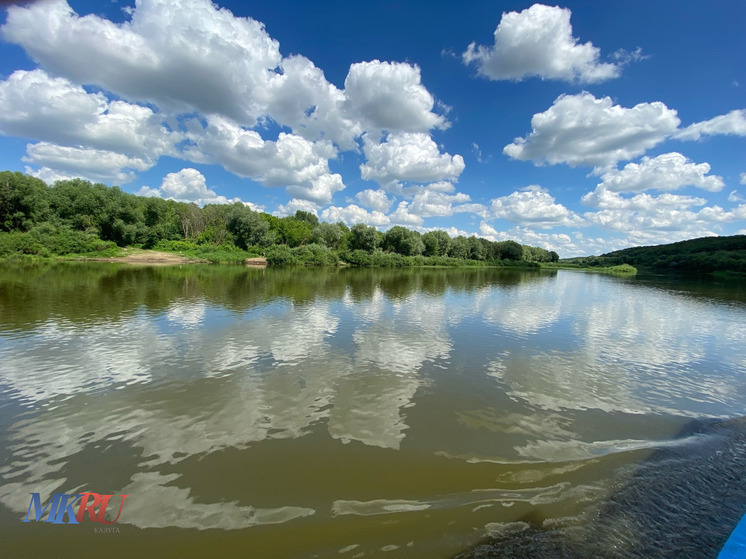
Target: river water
x,y
292,413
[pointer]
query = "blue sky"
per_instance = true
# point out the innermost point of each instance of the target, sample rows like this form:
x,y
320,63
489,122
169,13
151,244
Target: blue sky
x,y
582,128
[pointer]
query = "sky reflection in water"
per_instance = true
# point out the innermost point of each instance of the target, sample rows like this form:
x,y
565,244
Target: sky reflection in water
x,y
498,388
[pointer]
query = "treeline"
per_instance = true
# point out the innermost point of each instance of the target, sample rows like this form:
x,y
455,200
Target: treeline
x,y
705,255
78,217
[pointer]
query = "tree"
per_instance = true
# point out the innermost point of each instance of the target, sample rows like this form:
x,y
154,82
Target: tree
x,y
510,250
459,248
297,232
191,220
363,237
403,241
247,226
476,250
436,243
300,215
328,234
24,201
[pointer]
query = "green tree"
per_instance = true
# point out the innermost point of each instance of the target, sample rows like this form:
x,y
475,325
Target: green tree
x,y
247,226
510,250
297,232
363,237
436,243
476,249
24,201
459,248
403,241
328,234
300,215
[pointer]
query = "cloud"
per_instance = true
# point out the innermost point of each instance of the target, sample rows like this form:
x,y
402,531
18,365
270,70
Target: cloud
x,y
213,77
731,124
743,178
294,205
561,243
734,196
374,199
477,152
93,164
604,199
404,216
666,218
292,161
538,42
301,98
433,203
533,206
49,176
389,96
353,214
208,59
582,130
35,105
408,156
188,185
669,171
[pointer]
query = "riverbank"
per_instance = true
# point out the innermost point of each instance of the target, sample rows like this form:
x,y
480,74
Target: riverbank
x,y
141,256
309,255
621,269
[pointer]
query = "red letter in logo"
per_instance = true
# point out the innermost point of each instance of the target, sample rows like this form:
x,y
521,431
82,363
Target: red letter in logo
x,y
91,508
104,504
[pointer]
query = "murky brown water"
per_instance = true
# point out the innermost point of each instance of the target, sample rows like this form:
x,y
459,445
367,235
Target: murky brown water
x,y
343,413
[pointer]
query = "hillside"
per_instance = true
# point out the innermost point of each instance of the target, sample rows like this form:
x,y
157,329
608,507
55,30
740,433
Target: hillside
x,y
705,255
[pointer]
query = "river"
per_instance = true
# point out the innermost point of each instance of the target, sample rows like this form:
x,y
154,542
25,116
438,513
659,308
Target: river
x,y
292,413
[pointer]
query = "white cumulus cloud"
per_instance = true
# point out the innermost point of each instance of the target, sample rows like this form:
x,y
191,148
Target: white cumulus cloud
x,y
180,54
650,220
92,164
291,161
374,199
669,171
404,216
35,105
188,185
188,79
582,130
730,124
533,206
433,203
389,96
353,214
538,42
408,156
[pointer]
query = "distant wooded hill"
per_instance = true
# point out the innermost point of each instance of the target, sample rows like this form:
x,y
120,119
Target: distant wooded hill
x,y
705,255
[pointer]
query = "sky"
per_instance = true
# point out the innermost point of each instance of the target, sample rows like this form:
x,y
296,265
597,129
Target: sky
x,y
581,128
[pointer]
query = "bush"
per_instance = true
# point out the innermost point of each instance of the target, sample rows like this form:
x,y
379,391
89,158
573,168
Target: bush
x,y
356,257
20,243
315,255
279,255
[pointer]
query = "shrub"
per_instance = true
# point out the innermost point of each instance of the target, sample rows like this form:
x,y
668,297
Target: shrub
x,y
278,255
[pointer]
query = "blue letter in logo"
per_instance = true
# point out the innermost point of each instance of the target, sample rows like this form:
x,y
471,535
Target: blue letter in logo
x,y
58,506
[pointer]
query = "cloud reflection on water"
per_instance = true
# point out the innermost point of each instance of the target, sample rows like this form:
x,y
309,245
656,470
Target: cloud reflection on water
x,y
191,381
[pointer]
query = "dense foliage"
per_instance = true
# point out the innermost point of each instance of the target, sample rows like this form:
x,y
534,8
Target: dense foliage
x,y
705,255
78,217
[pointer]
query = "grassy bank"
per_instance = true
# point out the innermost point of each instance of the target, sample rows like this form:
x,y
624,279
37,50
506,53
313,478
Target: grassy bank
x,y
620,269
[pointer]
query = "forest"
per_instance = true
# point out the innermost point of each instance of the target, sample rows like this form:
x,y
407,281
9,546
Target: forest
x,y
704,255
77,218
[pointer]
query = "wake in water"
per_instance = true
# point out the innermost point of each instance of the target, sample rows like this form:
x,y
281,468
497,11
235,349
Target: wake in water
x,y
682,502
